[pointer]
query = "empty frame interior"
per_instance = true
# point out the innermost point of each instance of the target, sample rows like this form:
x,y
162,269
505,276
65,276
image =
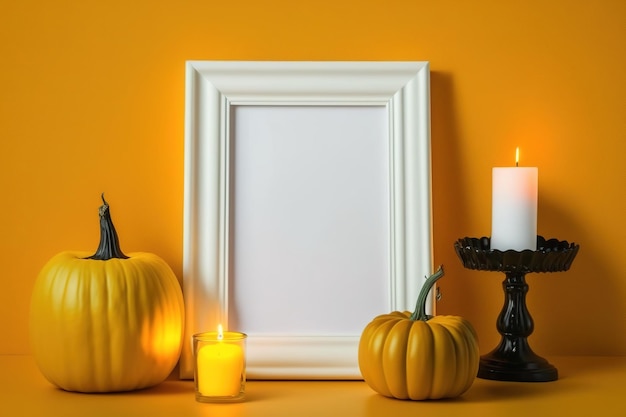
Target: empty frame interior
x,y
309,219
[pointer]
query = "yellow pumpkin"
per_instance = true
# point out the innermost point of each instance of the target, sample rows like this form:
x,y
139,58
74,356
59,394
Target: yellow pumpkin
x,y
108,322
413,356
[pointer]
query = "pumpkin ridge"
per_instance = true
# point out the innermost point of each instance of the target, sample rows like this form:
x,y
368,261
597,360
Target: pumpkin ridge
x,y
378,341
444,363
460,353
394,358
418,361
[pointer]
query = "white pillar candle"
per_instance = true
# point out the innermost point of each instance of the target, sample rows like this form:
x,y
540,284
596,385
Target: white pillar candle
x,y
514,208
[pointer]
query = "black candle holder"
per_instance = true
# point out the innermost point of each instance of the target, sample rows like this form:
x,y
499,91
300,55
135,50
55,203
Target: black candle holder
x,y
513,359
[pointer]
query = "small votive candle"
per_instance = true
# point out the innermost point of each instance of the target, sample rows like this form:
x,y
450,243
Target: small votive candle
x,y
219,366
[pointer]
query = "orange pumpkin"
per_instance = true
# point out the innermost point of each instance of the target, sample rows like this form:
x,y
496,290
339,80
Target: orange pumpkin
x,y
413,356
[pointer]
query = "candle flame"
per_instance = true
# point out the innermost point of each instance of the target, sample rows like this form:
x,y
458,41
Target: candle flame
x,y
517,156
220,332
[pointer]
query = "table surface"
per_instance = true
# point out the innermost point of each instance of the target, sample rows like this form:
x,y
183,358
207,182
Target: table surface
x,y
587,386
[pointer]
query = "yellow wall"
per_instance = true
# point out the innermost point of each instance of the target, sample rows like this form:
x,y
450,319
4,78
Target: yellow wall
x,y
92,97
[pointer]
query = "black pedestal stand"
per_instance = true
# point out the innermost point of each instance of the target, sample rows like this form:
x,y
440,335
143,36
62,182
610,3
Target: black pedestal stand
x,y
513,359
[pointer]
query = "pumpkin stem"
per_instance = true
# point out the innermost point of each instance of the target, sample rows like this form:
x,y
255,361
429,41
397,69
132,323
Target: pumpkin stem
x,y
109,243
420,306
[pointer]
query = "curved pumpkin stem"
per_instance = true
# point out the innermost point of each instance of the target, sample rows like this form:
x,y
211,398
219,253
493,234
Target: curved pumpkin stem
x,y
109,246
420,306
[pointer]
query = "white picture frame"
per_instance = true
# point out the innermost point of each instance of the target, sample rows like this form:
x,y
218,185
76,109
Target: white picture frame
x,y
214,90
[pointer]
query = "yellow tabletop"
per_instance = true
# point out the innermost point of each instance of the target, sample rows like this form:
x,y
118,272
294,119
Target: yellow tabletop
x,y
587,386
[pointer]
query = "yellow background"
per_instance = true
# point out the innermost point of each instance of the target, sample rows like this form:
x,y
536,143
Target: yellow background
x,y
92,100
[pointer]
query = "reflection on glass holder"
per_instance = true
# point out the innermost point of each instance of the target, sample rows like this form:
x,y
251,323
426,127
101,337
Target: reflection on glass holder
x,y
513,359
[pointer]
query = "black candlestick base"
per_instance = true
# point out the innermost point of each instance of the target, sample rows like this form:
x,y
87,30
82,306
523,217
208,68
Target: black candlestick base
x,y
513,359
516,363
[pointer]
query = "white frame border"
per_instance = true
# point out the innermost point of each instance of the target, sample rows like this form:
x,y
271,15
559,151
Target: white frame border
x,y
212,88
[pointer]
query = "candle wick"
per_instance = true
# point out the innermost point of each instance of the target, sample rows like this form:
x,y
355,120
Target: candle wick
x,y
516,163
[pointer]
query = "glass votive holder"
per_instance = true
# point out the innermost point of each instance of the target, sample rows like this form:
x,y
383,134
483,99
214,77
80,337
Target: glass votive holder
x,y
219,366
